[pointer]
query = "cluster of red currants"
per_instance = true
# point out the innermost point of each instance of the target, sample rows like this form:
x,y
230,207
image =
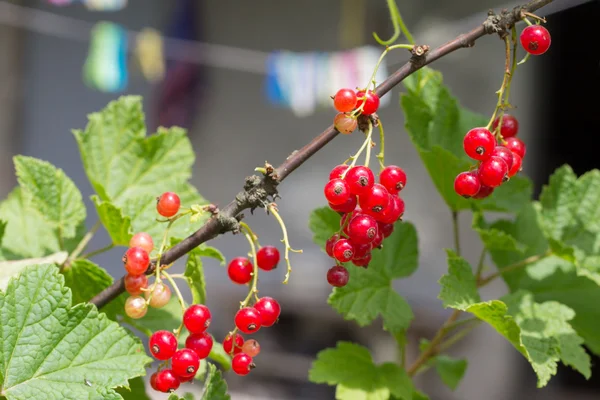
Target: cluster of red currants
x,y
249,319
348,100
497,162
369,211
184,362
137,260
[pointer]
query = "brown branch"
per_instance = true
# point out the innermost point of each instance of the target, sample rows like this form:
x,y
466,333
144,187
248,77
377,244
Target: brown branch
x,y
257,191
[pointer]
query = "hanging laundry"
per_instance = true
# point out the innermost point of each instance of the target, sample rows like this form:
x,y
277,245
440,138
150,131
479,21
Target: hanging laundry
x,y
149,52
105,68
60,3
305,82
105,5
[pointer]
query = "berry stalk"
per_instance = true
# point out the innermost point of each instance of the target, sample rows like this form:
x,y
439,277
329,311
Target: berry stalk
x,y
179,298
272,208
381,155
505,82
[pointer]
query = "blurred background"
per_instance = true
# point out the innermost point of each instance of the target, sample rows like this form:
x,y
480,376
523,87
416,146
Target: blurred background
x,y
222,58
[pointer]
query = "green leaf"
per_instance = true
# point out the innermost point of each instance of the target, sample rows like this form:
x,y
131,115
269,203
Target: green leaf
x,y
194,274
215,387
436,125
495,239
558,200
351,367
217,353
369,292
136,391
208,251
117,225
76,353
9,269
459,288
52,193
323,222
86,279
450,370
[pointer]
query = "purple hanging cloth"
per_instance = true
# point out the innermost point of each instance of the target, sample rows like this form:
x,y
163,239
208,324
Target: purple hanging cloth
x,y
180,92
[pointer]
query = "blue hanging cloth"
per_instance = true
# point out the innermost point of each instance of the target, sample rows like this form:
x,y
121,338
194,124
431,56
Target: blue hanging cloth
x,y
105,68
179,93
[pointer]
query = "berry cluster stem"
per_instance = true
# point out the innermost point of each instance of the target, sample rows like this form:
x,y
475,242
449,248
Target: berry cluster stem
x,y
369,145
505,81
82,244
381,155
272,208
362,148
170,279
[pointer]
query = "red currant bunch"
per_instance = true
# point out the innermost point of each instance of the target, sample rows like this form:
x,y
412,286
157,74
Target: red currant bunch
x,y
369,211
184,363
499,158
347,102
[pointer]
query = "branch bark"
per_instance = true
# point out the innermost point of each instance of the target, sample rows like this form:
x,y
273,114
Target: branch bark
x,y
257,191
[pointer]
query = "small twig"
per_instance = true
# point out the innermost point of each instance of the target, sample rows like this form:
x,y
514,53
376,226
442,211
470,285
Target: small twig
x,y
480,264
98,251
286,242
456,232
523,263
82,244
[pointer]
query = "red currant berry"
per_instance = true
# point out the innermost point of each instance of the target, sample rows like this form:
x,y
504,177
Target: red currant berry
x,y
153,381
535,39
163,344
166,381
361,250
362,262
346,218
371,101
348,206
248,320
240,270
484,192
269,310
337,171
201,343
479,143
337,191
242,364
344,123
385,229
168,204
185,363
360,179
375,200
197,318
143,241
160,295
505,154
378,240
135,307
337,276
344,100
343,250
492,172
467,184
394,211
251,348
516,146
510,126
393,178
362,229
228,344
136,260
329,244
267,258
135,283
516,166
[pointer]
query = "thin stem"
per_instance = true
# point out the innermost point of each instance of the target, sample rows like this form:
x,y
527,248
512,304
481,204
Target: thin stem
x,y
456,230
523,263
458,324
505,80
179,297
405,30
398,24
83,243
381,155
362,148
245,226
98,251
254,286
524,60
458,336
273,209
480,264
541,19
513,67
370,146
528,22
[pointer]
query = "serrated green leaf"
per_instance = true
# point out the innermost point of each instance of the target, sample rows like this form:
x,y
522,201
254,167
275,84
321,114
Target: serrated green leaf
x,y
212,252
419,396
116,224
369,293
323,222
459,287
495,313
9,269
436,125
351,368
495,239
77,352
450,370
558,200
194,274
86,279
53,193
136,391
215,387
217,353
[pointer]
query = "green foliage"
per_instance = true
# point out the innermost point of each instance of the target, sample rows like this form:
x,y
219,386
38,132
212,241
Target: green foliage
x,y
8,269
49,346
369,292
351,368
215,387
136,391
450,370
116,224
436,125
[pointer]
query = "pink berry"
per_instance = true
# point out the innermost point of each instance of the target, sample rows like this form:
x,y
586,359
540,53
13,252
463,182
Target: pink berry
x,y
344,123
248,320
479,143
185,363
337,171
330,243
348,206
505,154
467,184
242,364
337,276
200,343
371,101
136,260
160,295
510,126
516,165
360,179
516,146
269,310
393,178
163,344
251,348
492,172
267,258
337,191
143,241
135,283
362,229
197,318
344,100
343,250
535,39
240,270
375,201
168,204
135,307
228,344
166,381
